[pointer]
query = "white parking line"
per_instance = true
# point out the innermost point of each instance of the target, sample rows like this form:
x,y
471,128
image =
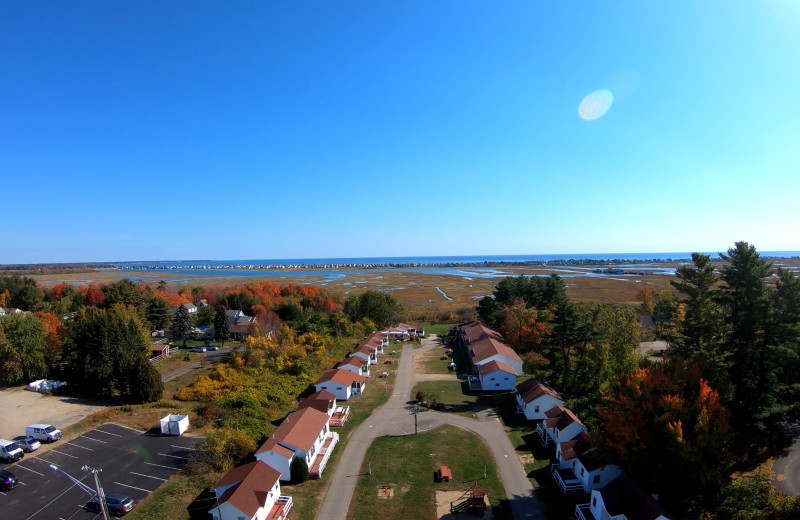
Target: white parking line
x,y
149,476
78,446
133,487
45,461
29,469
62,453
107,433
91,439
183,447
173,456
47,504
165,467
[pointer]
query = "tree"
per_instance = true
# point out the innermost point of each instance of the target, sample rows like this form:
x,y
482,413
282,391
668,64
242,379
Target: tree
x,y
205,316
148,387
182,325
157,312
55,335
222,327
299,470
378,307
22,353
125,292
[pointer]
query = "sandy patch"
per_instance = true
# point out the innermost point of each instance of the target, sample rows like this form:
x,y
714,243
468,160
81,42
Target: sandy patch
x,y
443,499
20,407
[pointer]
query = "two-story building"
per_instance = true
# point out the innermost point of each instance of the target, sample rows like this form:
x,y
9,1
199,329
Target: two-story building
x,y
559,425
250,492
482,344
534,398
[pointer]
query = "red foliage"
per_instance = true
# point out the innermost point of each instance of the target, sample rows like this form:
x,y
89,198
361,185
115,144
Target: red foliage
x,y
92,296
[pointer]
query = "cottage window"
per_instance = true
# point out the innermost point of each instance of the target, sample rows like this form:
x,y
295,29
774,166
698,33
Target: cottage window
x,y
536,410
340,388
594,502
596,479
497,384
582,471
506,379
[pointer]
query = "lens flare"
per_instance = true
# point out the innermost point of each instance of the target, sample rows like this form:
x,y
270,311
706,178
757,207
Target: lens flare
x,y
595,105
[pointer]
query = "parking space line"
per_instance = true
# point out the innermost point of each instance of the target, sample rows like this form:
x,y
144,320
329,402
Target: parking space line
x,y
138,432
165,467
107,433
62,453
78,446
149,476
29,469
91,439
44,460
48,504
183,447
133,487
173,456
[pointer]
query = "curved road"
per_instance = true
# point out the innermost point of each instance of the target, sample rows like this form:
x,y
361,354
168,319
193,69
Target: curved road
x,y
393,419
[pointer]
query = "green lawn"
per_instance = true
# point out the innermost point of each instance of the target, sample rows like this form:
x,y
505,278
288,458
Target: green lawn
x,y
432,364
408,463
439,329
454,395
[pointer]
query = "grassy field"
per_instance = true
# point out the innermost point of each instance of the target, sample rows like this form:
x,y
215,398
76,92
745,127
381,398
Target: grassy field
x,y
408,463
431,363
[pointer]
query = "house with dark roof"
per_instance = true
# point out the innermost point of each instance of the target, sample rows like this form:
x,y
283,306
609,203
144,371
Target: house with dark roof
x,y
357,365
325,401
621,500
579,469
366,353
251,492
341,383
482,344
190,308
304,434
559,425
534,398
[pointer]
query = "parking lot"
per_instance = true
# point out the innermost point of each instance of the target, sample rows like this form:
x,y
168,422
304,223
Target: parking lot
x,y
131,462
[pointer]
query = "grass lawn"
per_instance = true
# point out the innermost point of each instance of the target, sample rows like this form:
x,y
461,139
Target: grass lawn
x,y
408,463
307,497
455,395
439,329
430,363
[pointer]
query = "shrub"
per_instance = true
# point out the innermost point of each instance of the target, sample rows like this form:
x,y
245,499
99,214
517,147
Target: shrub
x,y
299,470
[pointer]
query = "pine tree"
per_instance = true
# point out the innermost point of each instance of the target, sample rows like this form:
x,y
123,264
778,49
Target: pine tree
x,y
182,325
222,328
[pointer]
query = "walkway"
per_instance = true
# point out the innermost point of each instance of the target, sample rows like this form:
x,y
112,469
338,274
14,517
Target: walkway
x,y
393,418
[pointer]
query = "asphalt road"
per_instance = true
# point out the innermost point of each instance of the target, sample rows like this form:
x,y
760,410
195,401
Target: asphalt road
x,y
393,418
786,470
132,463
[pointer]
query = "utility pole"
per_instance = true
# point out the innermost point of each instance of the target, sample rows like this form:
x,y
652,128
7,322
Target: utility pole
x,y
415,411
101,496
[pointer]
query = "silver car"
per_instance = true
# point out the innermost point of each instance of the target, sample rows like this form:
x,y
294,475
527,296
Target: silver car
x,y
28,444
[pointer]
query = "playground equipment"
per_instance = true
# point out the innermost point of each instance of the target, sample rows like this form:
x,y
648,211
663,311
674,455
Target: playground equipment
x,y
473,501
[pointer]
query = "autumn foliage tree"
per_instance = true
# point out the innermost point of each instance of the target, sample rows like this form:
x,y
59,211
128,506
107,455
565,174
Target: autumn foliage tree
x,y
55,335
665,426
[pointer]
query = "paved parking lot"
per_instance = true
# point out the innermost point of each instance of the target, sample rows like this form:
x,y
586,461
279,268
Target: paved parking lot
x,y
132,463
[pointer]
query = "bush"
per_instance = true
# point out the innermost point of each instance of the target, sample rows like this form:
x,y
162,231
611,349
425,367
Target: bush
x,y
223,448
299,470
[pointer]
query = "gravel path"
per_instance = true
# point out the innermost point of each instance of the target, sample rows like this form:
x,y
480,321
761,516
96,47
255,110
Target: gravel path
x,y
393,418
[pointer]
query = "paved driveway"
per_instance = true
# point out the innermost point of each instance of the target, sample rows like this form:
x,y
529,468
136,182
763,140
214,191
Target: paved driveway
x,y
786,469
393,419
132,463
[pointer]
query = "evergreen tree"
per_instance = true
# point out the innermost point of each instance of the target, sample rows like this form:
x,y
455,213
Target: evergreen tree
x,y
157,312
299,470
205,316
182,325
222,327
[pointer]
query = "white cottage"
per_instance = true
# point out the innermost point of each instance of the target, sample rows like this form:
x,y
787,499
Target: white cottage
x,y
250,492
341,383
534,398
496,376
621,500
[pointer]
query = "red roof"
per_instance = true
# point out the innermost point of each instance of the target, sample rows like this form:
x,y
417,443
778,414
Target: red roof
x,y
252,483
486,343
576,447
559,418
340,375
323,401
355,361
533,389
299,429
365,350
495,366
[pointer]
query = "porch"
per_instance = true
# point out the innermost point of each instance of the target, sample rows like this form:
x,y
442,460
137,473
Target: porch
x,y
544,436
584,512
324,453
281,508
566,480
339,416
474,383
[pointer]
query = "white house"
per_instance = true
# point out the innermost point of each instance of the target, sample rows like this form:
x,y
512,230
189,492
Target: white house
x,y
304,433
396,334
357,365
534,398
494,376
341,383
366,353
380,336
190,308
375,343
252,492
579,469
325,401
621,500
560,425
482,345
412,330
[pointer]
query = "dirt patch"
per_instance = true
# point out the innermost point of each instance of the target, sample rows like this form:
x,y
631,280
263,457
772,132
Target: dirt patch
x,y
443,500
526,458
20,407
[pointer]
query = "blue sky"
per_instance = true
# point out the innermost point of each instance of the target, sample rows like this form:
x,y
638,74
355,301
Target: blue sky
x,y
226,130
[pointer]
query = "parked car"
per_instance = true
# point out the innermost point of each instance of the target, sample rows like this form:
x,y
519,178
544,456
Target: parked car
x,y
212,347
199,349
10,451
118,504
27,443
43,432
8,480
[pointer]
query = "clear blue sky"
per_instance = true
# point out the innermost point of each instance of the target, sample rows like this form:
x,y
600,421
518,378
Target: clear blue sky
x,y
227,130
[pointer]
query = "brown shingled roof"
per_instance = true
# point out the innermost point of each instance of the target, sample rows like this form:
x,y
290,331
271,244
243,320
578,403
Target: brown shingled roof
x,y
340,375
485,343
355,361
322,401
255,480
623,497
533,389
559,418
576,447
299,429
493,366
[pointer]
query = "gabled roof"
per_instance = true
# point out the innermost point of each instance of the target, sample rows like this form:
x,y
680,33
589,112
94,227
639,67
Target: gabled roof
x,y
365,350
485,343
533,389
299,429
623,497
243,327
559,418
340,375
323,401
252,483
591,460
494,366
372,343
355,361
576,447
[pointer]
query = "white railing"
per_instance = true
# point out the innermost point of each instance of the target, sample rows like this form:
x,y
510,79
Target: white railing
x,y
584,512
325,453
543,435
567,486
287,505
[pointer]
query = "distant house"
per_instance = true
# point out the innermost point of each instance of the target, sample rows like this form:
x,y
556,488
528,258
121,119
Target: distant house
x,y
241,331
396,334
233,315
559,425
251,492
201,303
621,500
304,433
374,343
413,330
534,398
341,383
481,345
357,365
366,353
2,312
493,376
190,308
